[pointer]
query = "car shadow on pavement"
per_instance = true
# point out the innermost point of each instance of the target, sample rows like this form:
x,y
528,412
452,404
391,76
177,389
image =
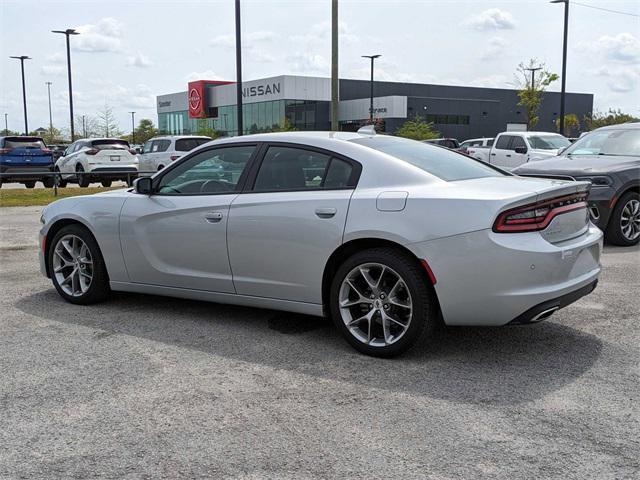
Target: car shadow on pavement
x,y
500,366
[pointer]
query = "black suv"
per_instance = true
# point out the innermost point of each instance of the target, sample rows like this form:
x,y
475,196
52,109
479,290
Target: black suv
x,y
609,158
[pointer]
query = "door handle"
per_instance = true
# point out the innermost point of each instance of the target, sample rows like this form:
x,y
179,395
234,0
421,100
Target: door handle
x,y
508,155
327,212
493,154
213,217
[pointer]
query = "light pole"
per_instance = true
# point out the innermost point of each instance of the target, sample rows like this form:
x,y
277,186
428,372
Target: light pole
x,y
372,57
238,69
133,128
564,61
67,33
533,71
50,120
335,82
6,124
84,128
22,58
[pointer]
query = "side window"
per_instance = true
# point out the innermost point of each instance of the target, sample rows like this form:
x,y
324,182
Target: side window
x,y
208,172
147,147
490,142
518,142
154,146
163,145
288,168
503,142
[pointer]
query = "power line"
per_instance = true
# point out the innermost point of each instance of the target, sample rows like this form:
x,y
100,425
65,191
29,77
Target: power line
x,y
606,9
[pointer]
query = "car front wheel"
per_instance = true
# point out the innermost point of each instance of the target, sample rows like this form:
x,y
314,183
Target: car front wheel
x,y
624,225
76,265
382,303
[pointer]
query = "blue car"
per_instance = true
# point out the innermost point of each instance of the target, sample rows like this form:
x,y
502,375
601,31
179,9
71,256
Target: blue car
x,y
25,155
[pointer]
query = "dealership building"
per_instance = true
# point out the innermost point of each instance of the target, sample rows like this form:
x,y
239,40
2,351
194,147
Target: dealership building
x,y
460,112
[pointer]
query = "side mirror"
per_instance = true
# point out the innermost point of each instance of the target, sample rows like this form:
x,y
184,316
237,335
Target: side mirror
x,y
521,150
143,185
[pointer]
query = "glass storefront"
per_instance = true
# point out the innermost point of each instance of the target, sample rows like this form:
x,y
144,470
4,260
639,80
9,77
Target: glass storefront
x,y
257,117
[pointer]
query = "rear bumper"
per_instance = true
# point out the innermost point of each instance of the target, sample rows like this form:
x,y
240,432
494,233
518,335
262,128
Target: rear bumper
x,y
25,173
546,309
490,279
113,172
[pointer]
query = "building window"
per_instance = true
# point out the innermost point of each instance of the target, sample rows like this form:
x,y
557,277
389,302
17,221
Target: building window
x,y
448,119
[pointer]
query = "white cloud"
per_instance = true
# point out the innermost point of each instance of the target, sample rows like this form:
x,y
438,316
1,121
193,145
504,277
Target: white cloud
x,y
621,79
252,44
53,70
491,19
139,60
621,48
492,81
105,36
308,63
494,49
205,75
57,57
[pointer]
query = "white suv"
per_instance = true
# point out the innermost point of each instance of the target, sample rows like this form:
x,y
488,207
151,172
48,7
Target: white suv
x,y
161,151
97,160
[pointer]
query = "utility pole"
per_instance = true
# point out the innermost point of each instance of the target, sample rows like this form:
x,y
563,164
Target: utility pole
x,y
84,129
6,124
238,68
133,128
50,119
335,80
22,58
372,57
564,62
67,33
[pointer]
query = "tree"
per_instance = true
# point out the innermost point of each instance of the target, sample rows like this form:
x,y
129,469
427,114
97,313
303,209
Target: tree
x,y
89,129
143,132
612,117
53,136
571,124
8,133
204,129
107,125
285,126
417,129
531,93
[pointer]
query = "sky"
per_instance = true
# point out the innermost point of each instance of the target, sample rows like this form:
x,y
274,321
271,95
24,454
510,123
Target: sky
x,y
130,51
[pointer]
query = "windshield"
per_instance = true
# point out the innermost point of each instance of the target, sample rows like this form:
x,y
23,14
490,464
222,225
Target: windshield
x,y
608,142
444,164
110,144
548,142
23,142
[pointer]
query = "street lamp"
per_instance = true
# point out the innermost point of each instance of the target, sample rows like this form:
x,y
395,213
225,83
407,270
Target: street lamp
x,y
50,119
66,33
6,124
133,128
372,57
564,61
84,128
22,58
238,69
533,71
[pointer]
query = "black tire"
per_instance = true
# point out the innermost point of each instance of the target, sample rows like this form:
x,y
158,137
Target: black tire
x,y
48,182
106,183
98,290
83,179
425,316
30,184
614,233
62,183
160,167
130,181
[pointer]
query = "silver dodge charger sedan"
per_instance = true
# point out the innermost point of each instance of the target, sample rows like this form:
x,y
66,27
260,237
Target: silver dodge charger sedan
x,y
386,235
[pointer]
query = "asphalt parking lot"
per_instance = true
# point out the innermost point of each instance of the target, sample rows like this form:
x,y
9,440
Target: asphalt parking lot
x,y
150,387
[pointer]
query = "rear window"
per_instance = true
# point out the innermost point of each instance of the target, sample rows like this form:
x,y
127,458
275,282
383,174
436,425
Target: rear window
x,y
444,164
110,144
549,142
187,144
24,142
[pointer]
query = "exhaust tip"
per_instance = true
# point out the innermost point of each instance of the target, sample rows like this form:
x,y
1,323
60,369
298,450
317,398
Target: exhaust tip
x,y
544,314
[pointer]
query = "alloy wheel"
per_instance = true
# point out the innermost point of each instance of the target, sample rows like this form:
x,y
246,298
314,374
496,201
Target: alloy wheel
x,y
630,220
375,304
73,265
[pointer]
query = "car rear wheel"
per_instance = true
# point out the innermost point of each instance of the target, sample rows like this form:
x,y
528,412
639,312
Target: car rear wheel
x,y
106,183
83,178
381,302
30,184
624,225
62,183
77,267
48,182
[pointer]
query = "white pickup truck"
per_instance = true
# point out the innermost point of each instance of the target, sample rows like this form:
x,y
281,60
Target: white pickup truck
x,y
512,149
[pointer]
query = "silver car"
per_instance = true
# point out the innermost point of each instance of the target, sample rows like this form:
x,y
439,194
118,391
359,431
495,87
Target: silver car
x,y
387,236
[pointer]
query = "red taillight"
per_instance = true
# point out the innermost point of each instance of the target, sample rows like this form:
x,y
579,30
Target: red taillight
x,y
537,216
5,150
132,151
92,151
174,157
46,150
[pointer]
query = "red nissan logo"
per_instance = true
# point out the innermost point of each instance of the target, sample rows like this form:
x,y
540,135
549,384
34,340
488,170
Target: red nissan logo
x,y
194,99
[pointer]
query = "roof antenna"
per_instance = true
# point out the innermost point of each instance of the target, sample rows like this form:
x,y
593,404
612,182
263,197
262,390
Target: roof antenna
x,y
367,130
